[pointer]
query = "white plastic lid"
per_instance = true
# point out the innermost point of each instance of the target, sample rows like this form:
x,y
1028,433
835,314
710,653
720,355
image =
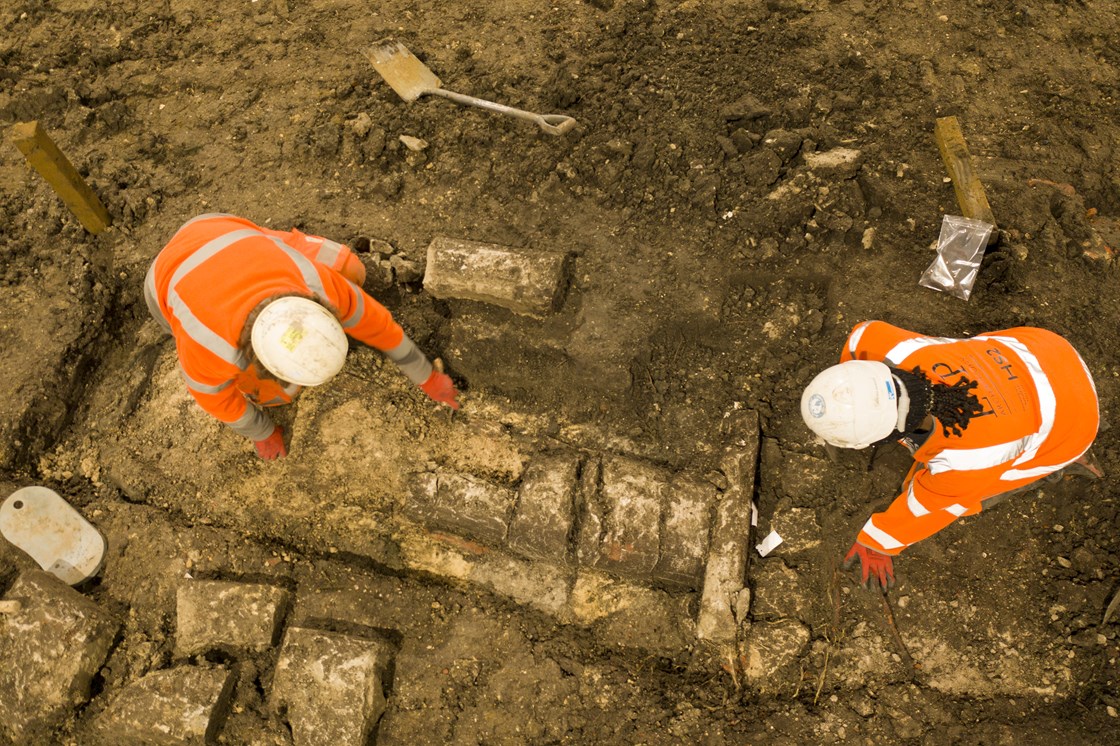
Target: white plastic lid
x,y
39,522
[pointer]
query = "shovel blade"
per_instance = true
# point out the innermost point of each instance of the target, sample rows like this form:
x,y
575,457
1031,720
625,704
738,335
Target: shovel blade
x,y
401,69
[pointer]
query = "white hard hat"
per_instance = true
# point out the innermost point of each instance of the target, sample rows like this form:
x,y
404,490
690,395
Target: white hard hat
x,y
853,404
299,341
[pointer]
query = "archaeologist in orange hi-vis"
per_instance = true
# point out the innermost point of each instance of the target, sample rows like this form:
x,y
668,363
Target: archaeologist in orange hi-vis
x,y
982,417
257,314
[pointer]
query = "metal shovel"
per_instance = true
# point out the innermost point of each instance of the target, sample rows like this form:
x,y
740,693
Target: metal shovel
x,y
411,79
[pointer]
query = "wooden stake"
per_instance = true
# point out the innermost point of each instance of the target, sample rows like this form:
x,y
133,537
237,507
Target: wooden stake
x,y
53,166
970,192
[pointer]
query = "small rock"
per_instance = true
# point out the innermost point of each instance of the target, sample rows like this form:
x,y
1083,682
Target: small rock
x,y
362,125
405,270
1064,562
414,144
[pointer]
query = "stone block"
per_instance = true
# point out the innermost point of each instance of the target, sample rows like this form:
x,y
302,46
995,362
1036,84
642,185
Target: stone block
x,y
539,585
805,479
542,521
523,280
686,521
770,647
235,617
631,616
51,649
182,705
836,163
779,591
462,505
632,492
591,514
726,568
798,528
330,686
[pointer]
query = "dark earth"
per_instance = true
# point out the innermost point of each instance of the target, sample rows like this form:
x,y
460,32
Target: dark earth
x,y
715,269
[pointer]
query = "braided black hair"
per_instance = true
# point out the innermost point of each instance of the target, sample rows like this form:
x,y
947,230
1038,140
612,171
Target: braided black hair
x,y
954,405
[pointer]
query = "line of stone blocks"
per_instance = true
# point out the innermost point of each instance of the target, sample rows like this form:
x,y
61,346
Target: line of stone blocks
x,y
621,515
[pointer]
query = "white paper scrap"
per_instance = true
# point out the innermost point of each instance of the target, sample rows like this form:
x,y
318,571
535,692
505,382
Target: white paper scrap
x,y
754,514
768,544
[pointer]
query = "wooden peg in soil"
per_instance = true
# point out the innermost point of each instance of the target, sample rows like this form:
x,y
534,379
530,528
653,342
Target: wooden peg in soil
x,y
53,166
970,192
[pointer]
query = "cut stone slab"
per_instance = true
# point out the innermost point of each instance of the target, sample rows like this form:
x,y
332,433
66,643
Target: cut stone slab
x,y
770,647
591,514
523,280
632,492
684,533
462,505
51,649
235,617
779,591
631,616
330,686
804,478
725,572
542,521
838,162
798,528
183,705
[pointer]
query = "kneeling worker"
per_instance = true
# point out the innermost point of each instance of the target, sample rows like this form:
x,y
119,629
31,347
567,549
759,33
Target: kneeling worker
x,y
257,314
982,417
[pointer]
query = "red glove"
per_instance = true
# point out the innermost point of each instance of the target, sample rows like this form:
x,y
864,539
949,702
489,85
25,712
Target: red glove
x,y
272,447
872,562
439,388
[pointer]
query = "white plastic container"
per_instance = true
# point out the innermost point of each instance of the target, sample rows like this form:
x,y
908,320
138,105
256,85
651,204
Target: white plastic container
x,y
38,521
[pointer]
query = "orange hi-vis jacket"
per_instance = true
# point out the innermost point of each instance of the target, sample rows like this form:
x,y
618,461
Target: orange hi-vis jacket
x,y
214,273
1040,414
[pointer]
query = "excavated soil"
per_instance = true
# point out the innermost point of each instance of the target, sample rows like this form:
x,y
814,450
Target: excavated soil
x,y
715,269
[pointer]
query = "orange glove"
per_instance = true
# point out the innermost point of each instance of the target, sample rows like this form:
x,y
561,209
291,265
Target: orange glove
x,y
272,447
439,388
872,562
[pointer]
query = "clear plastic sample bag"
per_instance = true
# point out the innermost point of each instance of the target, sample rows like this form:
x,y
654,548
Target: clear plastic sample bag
x,y
960,248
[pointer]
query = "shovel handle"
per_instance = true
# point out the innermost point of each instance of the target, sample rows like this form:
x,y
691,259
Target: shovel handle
x,y
553,124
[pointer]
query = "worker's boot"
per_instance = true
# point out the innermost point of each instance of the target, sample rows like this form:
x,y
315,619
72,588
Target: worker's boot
x,y
1086,466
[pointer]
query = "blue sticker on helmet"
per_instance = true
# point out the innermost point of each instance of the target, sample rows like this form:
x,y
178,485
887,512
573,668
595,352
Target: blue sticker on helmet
x,y
816,406
890,389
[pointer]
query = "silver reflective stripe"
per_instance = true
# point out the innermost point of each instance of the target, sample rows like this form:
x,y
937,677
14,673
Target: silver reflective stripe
x,y
916,508
973,459
207,250
152,300
254,424
202,334
857,333
203,388
903,350
886,541
1038,471
328,252
1047,401
304,265
194,328
411,361
957,510
359,308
